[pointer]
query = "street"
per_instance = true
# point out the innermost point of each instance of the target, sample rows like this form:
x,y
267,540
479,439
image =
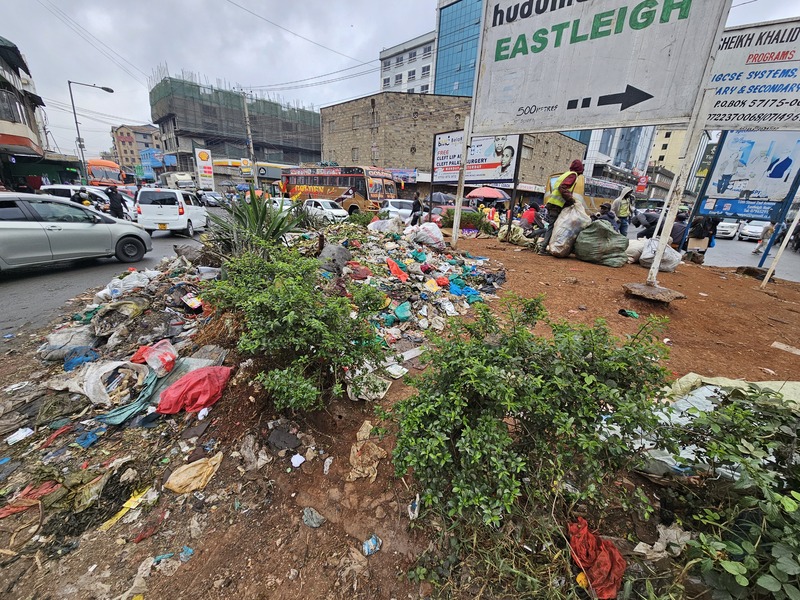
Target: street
x,y
733,253
34,296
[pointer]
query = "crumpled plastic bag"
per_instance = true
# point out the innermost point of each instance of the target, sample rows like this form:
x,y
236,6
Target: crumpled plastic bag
x,y
114,315
60,343
194,391
517,236
78,356
90,381
118,287
572,220
600,244
194,476
428,234
161,356
598,558
670,261
394,225
365,455
395,270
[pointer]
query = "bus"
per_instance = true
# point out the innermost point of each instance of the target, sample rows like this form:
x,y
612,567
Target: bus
x,y
355,188
104,172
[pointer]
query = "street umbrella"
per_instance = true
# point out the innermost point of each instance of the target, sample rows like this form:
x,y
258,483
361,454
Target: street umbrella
x,y
487,192
440,198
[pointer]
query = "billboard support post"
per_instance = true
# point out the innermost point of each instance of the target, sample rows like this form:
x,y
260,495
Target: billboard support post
x,y
778,256
461,175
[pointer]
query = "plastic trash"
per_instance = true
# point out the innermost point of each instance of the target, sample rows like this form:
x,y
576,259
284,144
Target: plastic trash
x,y
430,235
395,270
59,343
572,220
403,312
631,314
194,391
598,557
600,244
413,509
19,435
78,356
186,554
297,460
365,455
670,261
194,476
161,357
372,545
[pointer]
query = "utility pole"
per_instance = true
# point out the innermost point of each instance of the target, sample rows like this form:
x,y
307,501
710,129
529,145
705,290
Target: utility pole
x,y
249,132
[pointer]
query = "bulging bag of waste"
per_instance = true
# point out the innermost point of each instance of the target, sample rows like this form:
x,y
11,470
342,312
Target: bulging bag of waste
x,y
572,220
60,343
670,262
600,244
517,236
394,225
430,235
635,249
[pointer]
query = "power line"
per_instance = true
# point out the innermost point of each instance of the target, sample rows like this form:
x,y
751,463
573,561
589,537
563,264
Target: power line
x,y
302,37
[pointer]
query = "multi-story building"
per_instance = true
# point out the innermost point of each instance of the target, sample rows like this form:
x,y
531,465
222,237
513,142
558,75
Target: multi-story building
x,y
130,140
191,115
24,160
616,154
458,29
666,149
396,131
408,67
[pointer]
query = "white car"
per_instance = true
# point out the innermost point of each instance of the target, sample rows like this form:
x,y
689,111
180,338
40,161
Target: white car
x,y
328,210
752,231
727,229
97,195
161,209
397,208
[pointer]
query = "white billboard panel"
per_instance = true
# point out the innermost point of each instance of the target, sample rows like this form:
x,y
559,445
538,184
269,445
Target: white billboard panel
x,y
756,78
492,160
205,169
556,65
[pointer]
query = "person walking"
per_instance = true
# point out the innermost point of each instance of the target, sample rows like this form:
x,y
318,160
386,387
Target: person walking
x,y
624,207
116,203
560,197
416,209
766,233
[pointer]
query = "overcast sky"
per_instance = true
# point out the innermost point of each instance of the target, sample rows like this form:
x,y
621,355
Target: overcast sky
x,y
219,41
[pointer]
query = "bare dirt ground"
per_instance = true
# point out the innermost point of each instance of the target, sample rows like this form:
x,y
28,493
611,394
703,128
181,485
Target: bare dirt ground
x,y
246,529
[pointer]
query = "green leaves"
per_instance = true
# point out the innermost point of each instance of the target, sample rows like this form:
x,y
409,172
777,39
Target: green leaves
x,y
769,583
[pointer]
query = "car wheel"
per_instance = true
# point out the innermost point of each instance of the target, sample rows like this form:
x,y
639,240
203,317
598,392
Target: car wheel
x,y
130,249
189,231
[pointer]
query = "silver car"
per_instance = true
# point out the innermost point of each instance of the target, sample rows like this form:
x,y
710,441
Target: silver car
x,y
37,230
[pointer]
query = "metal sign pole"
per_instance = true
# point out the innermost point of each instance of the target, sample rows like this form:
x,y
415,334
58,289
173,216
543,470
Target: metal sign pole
x,y
778,256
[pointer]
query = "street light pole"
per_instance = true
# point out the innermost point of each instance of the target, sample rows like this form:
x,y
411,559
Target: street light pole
x,y
81,145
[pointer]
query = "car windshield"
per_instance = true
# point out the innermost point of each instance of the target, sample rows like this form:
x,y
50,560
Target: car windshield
x,y
329,205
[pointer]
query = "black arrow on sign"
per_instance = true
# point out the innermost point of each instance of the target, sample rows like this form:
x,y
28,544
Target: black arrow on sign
x,y
630,97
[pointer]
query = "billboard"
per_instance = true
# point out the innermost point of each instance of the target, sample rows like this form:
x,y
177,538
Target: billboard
x,y
756,80
564,65
492,160
705,162
205,169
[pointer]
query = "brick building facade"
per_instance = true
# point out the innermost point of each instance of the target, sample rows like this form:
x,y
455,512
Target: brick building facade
x,y
395,130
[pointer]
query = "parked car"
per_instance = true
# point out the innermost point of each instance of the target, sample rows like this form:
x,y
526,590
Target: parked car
x,y
37,229
97,195
396,208
727,229
328,210
212,199
170,210
751,231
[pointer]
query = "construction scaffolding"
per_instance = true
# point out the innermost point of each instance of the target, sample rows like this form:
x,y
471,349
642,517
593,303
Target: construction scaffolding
x,y
214,117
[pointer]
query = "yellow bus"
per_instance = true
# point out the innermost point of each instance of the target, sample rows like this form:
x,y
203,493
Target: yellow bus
x,y
593,191
355,188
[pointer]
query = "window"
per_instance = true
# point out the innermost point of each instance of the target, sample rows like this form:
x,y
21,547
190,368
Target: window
x,y
398,62
62,213
424,89
158,146
147,197
387,64
355,121
455,85
661,158
412,56
668,134
354,154
189,200
331,126
387,81
426,51
411,90
398,79
9,211
426,71
412,75
664,146
527,152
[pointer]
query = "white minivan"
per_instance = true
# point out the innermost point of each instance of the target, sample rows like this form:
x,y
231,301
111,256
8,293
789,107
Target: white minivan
x,y
161,209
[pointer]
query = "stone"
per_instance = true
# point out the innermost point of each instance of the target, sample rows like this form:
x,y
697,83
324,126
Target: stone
x,y
652,292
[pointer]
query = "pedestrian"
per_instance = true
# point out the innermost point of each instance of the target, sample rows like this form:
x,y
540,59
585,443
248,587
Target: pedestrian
x,y
607,215
648,221
679,229
116,202
416,209
766,233
625,208
528,218
81,197
560,196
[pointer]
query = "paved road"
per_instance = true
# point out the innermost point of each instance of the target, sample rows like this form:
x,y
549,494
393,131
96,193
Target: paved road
x,y
35,296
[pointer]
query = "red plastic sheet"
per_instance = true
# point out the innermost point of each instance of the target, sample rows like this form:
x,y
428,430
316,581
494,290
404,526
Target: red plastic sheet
x,y
598,558
28,498
396,270
194,391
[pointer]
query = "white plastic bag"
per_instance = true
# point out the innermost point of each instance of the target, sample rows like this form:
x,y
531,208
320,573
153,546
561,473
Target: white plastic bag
x,y
572,220
670,261
430,235
635,249
161,357
394,225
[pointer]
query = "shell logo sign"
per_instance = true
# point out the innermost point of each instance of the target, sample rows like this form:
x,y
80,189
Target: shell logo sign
x,y
203,155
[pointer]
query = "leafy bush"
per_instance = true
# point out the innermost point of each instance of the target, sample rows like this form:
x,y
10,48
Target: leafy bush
x,y
308,336
749,540
361,218
249,227
500,404
469,220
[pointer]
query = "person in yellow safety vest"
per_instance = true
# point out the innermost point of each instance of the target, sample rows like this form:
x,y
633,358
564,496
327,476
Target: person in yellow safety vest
x,y
560,196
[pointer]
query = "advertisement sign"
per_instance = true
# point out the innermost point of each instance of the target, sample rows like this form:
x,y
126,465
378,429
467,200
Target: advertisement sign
x,y
405,175
705,162
756,78
641,185
246,168
555,66
741,209
756,165
492,160
205,169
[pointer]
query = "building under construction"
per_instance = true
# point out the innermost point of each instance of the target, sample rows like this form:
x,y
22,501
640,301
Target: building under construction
x,y
192,115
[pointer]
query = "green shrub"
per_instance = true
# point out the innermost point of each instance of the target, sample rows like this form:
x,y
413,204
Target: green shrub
x,y
361,218
469,220
500,404
309,338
